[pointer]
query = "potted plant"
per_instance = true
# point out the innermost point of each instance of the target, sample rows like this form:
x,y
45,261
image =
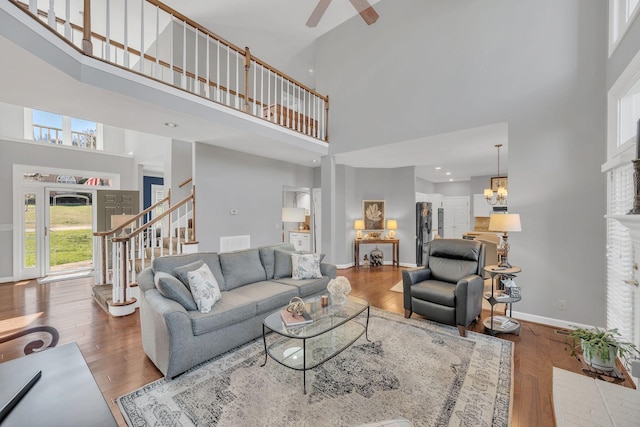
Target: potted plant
x,y
600,347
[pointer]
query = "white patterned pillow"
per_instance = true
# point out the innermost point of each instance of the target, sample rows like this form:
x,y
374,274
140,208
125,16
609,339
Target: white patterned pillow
x,y
305,266
204,288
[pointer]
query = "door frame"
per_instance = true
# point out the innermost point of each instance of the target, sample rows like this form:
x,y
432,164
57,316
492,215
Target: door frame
x,y
40,188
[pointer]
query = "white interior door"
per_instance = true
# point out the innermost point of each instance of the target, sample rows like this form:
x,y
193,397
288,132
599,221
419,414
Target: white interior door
x,y
456,216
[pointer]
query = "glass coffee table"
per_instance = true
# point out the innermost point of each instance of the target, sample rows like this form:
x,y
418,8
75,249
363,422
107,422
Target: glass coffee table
x,y
334,328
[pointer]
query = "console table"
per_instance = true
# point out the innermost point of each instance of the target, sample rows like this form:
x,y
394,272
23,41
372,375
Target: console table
x,y
65,395
395,243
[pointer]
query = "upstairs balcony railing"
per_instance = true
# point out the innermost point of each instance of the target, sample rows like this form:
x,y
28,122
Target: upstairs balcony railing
x,y
150,38
55,136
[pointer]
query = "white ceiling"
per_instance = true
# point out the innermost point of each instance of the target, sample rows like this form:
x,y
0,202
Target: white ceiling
x,y
464,154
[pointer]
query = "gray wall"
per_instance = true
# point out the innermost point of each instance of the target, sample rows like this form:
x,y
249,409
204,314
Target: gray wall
x,y
226,180
424,186
452,189
15,152
540,66
180,170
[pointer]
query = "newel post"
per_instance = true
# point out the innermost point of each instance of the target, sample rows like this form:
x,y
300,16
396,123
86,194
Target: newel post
x,y
247,67
87,46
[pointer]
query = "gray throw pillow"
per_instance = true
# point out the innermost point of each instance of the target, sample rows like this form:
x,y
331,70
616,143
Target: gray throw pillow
x,y
241,268
283,265
182,272
174,289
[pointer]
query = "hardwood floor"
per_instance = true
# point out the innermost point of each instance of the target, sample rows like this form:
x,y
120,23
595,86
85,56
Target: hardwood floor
x,y
113,350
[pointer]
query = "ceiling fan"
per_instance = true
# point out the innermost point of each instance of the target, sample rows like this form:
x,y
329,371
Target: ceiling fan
x,y
363,7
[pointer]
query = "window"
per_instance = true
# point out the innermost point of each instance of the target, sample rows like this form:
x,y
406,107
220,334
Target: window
x,y
65,130
620,296
629,114
621,15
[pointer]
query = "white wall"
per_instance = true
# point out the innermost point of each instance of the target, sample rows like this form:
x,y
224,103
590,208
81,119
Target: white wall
x,y
252,185
540,67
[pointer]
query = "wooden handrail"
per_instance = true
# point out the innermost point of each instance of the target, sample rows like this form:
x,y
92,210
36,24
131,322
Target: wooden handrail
x,y
134,219
185,182
159,218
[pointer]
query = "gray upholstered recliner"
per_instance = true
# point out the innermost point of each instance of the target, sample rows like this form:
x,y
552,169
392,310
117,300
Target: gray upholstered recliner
x,y
449,288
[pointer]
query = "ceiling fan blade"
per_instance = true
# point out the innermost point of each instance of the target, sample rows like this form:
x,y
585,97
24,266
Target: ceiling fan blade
x,y
366,11
317,13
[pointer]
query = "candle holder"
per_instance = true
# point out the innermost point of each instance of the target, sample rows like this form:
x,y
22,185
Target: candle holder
x,y
636,188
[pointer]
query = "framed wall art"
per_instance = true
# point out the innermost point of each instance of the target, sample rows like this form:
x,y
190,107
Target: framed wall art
x,y
373,214
499,181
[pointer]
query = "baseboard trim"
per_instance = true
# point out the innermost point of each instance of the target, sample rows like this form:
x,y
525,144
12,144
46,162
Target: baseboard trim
x,y
345,266
6,279
408,264
549,321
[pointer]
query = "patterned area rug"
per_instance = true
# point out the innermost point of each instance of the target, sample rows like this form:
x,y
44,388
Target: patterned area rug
x,y
412,369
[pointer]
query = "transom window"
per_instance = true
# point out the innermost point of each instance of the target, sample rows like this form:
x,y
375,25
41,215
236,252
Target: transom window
x,y
64,130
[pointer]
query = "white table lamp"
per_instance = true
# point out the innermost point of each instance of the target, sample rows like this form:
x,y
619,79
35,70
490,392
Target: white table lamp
x,y
505,223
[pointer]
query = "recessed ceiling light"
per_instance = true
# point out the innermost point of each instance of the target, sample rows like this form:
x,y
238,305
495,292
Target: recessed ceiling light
x,y
314,161
448,173
438,168
171,125
310,71
450,179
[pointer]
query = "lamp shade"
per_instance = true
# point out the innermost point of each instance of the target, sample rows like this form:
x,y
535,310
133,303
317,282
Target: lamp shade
x,y
505,222
359,224
293,214
392,224
118,221
488,193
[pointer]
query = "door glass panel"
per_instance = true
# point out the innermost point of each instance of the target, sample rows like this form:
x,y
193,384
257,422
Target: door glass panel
x,y
70,230
29,239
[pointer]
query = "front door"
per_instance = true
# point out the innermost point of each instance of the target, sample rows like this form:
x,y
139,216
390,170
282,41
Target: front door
x,y
68,232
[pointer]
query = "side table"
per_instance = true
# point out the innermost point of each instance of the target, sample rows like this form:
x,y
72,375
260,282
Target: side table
x,y
491,324
395,247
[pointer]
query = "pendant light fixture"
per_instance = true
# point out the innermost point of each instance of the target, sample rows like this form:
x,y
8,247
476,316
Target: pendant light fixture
x,y
501,191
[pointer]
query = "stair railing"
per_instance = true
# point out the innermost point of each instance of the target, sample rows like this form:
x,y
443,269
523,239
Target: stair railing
x,y
171,48
136,250
102,239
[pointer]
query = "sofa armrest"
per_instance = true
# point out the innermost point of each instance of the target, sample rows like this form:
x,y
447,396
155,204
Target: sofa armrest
x,y
167,335
410,278
468,293
328,270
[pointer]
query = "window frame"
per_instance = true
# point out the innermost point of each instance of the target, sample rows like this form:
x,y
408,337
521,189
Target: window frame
x,y
619,22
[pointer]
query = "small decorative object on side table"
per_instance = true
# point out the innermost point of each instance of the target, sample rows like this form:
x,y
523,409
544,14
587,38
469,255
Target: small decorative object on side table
x,y
502,324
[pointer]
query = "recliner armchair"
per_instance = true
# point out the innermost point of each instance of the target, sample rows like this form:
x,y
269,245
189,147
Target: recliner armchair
x,y
449,288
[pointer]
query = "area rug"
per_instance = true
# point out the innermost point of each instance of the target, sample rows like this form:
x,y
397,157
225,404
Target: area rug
x,y
412,368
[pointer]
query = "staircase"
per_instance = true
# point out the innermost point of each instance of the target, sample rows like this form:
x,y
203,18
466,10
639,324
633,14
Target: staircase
x,y
121,257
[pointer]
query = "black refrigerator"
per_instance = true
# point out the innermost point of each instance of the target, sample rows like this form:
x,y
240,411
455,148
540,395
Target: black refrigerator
x,y
424,214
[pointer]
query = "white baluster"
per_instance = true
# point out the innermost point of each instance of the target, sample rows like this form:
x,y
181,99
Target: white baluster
x,y
196,82
126,35
142,2
158,68
107,54
184,55
51,14
67,20
218,71
171,72
207,87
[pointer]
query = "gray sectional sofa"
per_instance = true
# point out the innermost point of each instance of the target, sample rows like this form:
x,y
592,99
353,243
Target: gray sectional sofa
x,y
254,283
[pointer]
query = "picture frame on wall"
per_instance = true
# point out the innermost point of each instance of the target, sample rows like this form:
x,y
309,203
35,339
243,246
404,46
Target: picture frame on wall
x,y
373,212
499,181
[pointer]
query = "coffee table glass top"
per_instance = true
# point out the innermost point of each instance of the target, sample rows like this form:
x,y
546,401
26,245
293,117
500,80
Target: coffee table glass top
x,y
324,318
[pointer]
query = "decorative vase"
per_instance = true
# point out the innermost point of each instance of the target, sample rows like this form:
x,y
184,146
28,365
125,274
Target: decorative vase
x,y
338,299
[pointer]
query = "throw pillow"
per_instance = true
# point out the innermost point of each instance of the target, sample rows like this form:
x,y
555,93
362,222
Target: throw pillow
x,y
305,266
204,288
183,271
174,289
282,265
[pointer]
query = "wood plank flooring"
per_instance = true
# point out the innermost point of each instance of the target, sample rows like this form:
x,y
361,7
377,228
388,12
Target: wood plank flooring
x,y
113,350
